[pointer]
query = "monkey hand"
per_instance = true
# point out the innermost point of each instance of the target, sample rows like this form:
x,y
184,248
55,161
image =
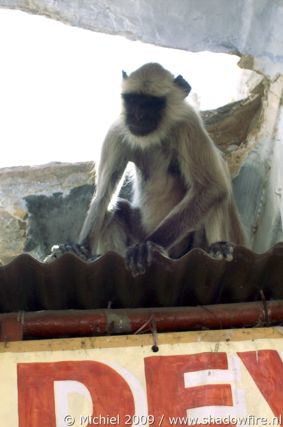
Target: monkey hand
x,y
58,250
222,250
140,256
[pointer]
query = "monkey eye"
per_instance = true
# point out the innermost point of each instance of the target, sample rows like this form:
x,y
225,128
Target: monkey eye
x,y
129,98
144,101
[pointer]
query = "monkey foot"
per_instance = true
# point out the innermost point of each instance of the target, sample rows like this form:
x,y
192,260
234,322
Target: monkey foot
x,y
221,250
58,250
140,256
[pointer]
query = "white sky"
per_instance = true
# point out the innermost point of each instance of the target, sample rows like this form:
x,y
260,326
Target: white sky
x,y
60,86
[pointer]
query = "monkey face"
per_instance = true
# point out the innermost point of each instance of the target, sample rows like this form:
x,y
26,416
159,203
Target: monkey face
x,y
143,113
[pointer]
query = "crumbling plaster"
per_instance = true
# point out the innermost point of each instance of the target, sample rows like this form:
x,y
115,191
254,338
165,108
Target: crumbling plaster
x,y
40,205
252,28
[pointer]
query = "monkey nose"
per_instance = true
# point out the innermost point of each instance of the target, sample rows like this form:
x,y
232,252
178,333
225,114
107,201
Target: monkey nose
x,y
139,115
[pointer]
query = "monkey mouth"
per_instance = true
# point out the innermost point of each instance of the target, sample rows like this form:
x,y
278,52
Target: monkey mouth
x,y
141,130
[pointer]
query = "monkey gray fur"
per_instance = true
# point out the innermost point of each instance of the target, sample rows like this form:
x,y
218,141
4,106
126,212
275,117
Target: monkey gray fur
x,y
182,194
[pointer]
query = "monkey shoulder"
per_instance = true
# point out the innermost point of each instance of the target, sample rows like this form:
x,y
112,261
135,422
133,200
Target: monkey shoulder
x,y
116,131
191,119
115,144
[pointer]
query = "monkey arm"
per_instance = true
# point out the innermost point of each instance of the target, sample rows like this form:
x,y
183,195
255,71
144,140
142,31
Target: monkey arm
x,y
207,178
112,165
186,216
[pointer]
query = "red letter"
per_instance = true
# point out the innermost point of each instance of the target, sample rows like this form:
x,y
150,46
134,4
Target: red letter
x,y
166,390
266,369
110,393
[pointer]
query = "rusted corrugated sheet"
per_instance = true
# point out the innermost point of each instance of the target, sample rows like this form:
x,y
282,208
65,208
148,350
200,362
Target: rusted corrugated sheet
x,y
195,279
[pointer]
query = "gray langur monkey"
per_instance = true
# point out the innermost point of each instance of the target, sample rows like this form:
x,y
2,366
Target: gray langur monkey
x,y
182,193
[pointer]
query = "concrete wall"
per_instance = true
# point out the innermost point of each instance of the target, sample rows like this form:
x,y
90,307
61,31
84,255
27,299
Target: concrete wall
x,y
41,206
249,27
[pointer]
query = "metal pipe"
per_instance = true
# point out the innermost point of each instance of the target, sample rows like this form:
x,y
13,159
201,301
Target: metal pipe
x,y
78,323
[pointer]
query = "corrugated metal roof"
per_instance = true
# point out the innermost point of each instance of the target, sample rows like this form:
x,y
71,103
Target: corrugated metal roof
x,y
195,279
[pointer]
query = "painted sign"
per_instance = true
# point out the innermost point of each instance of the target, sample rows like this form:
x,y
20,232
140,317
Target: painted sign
x,y
187,382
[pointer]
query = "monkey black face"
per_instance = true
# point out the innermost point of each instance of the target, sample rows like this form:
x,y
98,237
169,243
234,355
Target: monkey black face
x,y
143,112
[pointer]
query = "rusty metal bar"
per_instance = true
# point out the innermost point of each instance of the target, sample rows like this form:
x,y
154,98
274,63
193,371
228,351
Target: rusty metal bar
x,y
78,323
11,330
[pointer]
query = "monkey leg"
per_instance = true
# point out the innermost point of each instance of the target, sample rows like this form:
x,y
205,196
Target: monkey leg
x,y
58,250
222,250
122,228
218,234
140,256
124,234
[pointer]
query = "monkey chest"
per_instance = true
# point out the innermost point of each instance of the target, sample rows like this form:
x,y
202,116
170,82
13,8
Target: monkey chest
x,y
157,165
160,184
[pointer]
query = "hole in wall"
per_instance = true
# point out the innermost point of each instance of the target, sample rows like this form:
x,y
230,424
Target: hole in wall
x,y
60,86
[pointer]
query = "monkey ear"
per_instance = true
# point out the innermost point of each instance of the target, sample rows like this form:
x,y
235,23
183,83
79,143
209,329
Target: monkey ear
x,y
124,75
183,84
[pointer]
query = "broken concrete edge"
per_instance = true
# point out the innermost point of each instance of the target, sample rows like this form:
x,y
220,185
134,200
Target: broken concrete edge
x,y
262,124
207,25
36,202
47,179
